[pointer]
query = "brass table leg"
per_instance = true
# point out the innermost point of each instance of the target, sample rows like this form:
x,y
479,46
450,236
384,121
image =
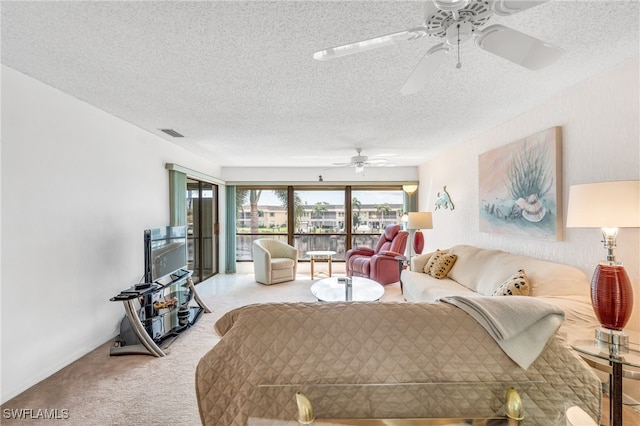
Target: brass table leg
x,y
312,262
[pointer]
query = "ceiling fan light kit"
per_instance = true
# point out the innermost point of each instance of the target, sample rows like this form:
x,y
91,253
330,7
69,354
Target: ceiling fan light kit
x,y
459,33
455,22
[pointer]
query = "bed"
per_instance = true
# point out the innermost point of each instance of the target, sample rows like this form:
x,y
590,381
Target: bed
x,y
458,367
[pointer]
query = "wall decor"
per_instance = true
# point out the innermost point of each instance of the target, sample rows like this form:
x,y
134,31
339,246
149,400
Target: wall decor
x,y
443,200
520,188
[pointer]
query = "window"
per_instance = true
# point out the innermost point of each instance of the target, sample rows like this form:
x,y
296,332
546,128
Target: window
x,y
371,211
260,212
321,225
315,218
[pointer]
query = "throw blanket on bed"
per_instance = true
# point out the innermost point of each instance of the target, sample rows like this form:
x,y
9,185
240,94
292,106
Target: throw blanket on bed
x,y
521,325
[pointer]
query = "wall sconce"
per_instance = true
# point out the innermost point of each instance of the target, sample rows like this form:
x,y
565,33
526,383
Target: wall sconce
x,y
608,205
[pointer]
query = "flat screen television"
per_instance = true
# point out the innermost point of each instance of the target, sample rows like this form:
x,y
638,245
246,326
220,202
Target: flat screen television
x,y
165,251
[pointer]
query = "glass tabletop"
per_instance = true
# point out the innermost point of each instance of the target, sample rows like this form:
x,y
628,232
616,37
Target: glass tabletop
x,y
334,290
321,253
484,421
609,352
397,404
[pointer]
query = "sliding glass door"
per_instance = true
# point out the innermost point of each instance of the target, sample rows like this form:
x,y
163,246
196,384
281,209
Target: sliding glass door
x,y
202,222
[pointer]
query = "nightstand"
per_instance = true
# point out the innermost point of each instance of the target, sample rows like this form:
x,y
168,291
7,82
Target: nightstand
x,y
616,359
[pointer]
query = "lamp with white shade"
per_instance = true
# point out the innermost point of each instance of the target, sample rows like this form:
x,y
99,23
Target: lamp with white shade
x,y
416,222
609,206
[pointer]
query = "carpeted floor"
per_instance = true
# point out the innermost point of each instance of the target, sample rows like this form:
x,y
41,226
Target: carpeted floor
x,y
143,390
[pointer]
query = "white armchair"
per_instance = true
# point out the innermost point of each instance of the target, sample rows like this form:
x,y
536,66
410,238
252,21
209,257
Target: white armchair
x,y
274,261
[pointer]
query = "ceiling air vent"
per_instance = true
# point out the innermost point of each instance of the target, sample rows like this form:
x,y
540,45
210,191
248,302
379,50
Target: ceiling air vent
x,y
172,132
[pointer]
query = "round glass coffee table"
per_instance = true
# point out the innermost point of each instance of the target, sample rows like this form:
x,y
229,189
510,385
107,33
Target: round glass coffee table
x,y
334,289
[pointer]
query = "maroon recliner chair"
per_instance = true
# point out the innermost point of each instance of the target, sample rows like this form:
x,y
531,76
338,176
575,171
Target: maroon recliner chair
x,y
379,264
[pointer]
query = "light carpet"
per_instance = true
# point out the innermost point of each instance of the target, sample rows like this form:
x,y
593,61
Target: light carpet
x,y
99,389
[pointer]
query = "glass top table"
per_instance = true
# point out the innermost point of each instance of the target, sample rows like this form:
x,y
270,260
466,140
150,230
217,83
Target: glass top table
x,y
618,361
335,289
390,404
629,356
320,254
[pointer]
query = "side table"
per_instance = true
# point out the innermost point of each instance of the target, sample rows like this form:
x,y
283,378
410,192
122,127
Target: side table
x,y
612,358
320,254
402,264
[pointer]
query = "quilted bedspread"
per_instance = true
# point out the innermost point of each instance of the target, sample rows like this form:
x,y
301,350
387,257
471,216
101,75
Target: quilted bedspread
x,y
448,364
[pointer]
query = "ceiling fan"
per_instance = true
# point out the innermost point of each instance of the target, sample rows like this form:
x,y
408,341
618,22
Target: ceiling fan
x,y
360,161
456,21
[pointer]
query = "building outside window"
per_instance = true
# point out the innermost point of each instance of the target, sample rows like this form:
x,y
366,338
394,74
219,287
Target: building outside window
x,y
318,217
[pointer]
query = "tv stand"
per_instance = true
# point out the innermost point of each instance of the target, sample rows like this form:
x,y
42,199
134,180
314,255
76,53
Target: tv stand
x,y
164,312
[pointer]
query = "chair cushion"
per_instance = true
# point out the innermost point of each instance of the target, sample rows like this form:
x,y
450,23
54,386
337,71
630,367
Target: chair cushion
x,y
282,263
390,232
360,265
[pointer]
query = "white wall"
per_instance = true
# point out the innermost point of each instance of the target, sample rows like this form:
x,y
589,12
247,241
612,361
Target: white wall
x,y
600,140
311,175
79,186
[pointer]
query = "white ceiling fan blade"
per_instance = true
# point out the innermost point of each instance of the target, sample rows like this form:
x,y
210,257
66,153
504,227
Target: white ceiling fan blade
x,y
518,47
374,161
374,43
450,5
433,58
509,7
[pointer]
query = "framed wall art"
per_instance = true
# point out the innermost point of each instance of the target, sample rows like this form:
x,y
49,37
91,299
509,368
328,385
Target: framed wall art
x,y
520,189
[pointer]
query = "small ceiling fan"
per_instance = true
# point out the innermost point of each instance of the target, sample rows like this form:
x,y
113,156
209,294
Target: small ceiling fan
x,y
360,161
455,22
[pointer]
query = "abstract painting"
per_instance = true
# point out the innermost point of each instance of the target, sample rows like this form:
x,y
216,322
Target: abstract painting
x,y
520,188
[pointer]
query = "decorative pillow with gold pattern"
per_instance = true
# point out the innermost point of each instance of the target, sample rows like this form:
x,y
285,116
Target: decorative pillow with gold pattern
x,y
516,285
434,257
442,265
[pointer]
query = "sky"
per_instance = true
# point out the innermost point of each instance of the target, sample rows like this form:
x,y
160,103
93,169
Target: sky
x,y
337,197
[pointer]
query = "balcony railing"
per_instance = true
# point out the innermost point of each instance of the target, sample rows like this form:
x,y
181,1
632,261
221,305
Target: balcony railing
x,y
307,242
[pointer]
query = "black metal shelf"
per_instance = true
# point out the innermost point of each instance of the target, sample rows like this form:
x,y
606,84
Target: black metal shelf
x,y
164,312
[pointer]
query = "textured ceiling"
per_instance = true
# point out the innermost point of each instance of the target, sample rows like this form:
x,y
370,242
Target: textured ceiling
x,y
238,79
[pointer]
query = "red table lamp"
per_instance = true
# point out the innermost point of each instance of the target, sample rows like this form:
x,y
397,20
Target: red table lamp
x,y
609,206
416,222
